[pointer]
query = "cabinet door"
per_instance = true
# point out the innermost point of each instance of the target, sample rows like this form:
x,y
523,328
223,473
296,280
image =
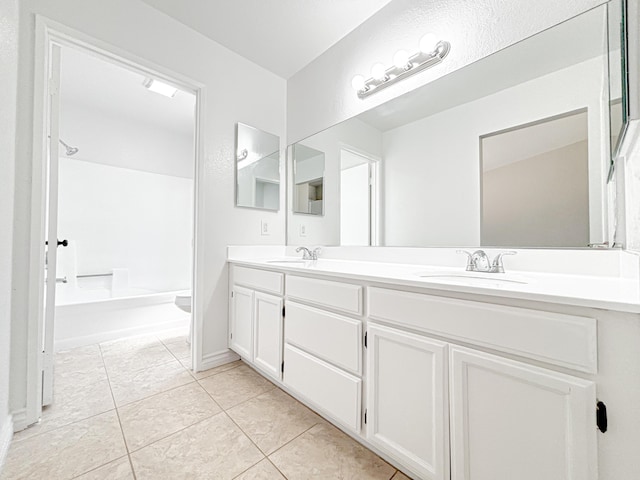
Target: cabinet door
x,y
241,327
268,333
510,420
407,406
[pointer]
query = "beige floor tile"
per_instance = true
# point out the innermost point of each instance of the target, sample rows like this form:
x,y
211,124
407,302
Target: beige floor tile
x,y
67,451
262,471
186,363
161,415
324,452
117,470
179,348
81,362
136,358
213,449
128,344
235,386
128,387
273,419
400,476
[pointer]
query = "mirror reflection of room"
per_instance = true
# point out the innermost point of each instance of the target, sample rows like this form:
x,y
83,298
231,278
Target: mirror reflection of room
x,y
437,146
257,168
309,180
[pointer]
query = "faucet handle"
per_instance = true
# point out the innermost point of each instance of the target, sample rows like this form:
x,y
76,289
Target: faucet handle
x,y
469,259
496,265
316,253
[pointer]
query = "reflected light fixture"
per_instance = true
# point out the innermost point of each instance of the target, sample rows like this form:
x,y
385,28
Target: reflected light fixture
x,y
431,52
158,87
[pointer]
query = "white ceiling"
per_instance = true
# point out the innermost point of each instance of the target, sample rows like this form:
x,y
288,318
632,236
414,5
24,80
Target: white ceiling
x,y
282,36
103,86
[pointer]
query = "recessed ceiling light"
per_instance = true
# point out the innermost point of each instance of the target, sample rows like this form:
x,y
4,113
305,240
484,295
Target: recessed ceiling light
x,y
159,87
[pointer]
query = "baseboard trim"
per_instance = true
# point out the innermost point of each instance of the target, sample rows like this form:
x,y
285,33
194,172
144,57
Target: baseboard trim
x,y
6,434
19,418
216,359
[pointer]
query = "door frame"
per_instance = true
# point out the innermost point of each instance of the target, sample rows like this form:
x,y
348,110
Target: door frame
x,y
47,33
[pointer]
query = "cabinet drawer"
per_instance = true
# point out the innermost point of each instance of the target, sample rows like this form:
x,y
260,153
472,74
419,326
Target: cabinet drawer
x,y
258,279
564,340
330,389
332,337
341,296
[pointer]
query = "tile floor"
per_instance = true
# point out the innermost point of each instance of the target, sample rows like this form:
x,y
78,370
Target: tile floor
x,y
132,409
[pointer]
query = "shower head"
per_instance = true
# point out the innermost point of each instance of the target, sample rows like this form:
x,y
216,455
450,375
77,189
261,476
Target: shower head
x,y
70,150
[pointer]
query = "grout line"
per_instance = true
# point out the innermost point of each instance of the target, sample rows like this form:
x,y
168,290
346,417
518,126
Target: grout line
x,y
100,466
133,470
294,438
193,374
174,433
276,467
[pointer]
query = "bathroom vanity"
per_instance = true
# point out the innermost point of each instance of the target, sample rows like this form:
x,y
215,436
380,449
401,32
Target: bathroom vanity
x,y
445,378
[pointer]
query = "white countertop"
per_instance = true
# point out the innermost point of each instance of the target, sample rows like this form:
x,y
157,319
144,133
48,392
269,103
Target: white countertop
x,y
605,292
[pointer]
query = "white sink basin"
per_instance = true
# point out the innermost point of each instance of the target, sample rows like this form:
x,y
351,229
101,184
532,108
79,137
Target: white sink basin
x,y
480,279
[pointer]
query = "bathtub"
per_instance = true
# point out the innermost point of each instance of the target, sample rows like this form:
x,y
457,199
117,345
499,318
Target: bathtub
x,y
90,311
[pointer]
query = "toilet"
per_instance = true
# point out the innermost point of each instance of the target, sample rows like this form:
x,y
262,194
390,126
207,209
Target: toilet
x,y
183,302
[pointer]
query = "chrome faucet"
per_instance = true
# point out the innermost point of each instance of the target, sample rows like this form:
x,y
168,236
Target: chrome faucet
x,y
308,254
478,261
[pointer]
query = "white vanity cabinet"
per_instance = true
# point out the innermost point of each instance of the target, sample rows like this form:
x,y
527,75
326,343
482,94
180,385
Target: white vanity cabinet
x,y
407,399
256,317
512,420
508,419
323,349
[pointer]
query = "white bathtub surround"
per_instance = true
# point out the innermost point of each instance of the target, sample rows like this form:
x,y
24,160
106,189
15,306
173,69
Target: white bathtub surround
x,y
95,320
443,377
599,279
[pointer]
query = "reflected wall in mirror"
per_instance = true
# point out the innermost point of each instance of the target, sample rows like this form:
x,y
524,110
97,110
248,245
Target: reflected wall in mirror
x,y
308,174
618,79
540,108
257,168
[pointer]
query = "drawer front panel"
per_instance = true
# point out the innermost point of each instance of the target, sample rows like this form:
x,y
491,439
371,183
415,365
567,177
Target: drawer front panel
x,y
330,389
341,296
331,337
259,279
564,340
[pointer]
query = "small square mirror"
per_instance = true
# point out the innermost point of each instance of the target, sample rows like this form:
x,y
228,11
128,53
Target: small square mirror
x,y
257,168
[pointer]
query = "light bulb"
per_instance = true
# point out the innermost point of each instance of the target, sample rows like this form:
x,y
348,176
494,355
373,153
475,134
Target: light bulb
x,y
428,43
401,59
378,71
357,83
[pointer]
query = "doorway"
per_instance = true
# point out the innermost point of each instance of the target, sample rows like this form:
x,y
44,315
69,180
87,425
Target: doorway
x,y
110,189
358,199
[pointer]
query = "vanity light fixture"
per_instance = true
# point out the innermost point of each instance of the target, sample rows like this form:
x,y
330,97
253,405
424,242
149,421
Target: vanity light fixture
x,y
158,87
432,51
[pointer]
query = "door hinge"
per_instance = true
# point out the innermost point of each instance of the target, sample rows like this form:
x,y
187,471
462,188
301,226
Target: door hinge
x,y
282,367
231,293
365,339
365,416
283,311
601,416
231,335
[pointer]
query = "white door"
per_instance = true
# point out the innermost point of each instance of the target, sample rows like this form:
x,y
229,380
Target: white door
x,y
407,406
510,420
358,224
51,226
241,328
268,333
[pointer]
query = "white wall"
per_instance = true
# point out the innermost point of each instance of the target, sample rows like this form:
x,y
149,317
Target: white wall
x,y
8,79
122,218
111,139
320,95
236,91
325,229
540,201
432,166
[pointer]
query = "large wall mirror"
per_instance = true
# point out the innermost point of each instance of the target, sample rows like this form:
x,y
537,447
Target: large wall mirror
x,y
257,168
511,151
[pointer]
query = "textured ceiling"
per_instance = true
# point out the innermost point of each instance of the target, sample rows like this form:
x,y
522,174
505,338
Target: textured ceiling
x,y
280,35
